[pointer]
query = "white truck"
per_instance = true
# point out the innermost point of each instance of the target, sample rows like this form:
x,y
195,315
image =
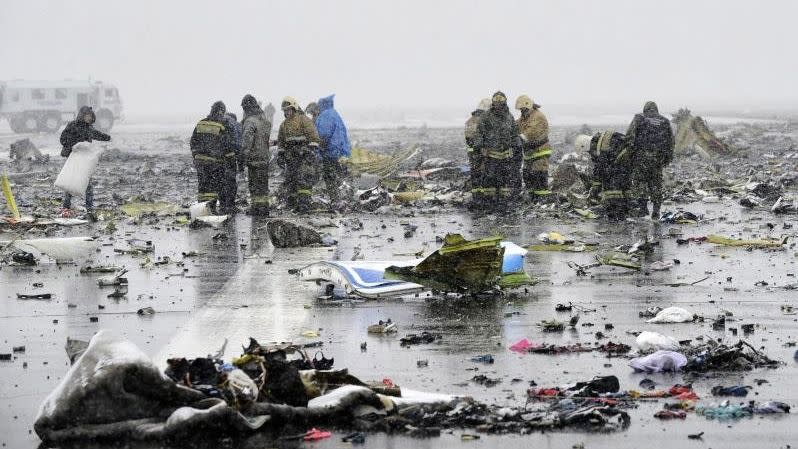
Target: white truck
x,y
43,106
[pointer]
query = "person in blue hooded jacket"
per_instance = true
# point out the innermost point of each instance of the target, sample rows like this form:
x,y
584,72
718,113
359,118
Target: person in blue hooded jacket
x,y
334,145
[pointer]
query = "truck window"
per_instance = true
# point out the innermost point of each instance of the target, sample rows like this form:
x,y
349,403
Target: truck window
x,y
37,94
109,93
60,94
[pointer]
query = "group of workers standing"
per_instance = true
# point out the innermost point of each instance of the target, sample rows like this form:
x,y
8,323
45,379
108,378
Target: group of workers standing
x,y
627,169
507,156
509,159
222,147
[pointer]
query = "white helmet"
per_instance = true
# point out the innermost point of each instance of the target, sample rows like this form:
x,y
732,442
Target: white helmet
x,y
582,143
484,104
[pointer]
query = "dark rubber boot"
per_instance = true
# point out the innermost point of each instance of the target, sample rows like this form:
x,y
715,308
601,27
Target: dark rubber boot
x,y
655,212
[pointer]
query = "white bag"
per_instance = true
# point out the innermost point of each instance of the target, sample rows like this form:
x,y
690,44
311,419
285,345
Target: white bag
x,y
672,315
78,168
648,341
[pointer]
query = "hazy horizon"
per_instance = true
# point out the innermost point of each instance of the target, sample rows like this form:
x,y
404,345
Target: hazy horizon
x,y
176,58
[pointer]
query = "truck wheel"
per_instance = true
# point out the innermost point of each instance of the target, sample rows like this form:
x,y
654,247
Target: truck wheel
x,y
50,123
30,123
105,120
15,122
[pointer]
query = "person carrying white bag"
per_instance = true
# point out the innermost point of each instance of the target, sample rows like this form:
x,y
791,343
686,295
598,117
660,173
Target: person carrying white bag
x,y
80,130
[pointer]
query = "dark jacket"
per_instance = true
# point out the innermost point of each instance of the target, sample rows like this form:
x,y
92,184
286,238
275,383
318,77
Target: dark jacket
x,y
79,131
211,137
610,172
332,131
498,131
257,130
650,137
232,124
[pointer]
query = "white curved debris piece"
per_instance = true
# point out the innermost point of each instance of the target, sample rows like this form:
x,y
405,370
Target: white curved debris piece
x,y
62,248
214,220
659,362
648,341
410,397
336,397
69,221
672,315
362,278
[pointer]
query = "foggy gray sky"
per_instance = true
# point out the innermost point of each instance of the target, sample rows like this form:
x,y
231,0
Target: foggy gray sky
x,y
178,56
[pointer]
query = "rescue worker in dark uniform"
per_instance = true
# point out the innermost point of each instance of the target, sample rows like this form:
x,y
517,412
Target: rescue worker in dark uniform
x,y
255,154
475,160
269,111
299,142
649,149
210,142
535,136
232,164
80,130
499,145
611,177
312,109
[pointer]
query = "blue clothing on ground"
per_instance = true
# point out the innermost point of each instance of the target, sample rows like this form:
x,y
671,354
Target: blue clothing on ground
x,y
332,131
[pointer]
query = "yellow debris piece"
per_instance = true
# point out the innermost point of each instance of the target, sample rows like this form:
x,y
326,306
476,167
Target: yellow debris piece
x,y
763,243
365,161
12,205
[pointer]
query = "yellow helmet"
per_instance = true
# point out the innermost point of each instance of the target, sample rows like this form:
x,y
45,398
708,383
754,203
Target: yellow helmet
x,y
290,102
524,102
499,97
484,104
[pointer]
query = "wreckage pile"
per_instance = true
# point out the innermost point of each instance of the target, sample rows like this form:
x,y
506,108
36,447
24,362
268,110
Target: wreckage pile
x,y
113,392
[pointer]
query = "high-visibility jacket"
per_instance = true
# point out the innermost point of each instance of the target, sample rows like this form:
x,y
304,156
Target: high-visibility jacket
x,y
534,130
613,175
211,140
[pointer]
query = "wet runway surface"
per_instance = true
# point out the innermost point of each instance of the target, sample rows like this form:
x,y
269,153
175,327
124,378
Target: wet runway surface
x,y
240,286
